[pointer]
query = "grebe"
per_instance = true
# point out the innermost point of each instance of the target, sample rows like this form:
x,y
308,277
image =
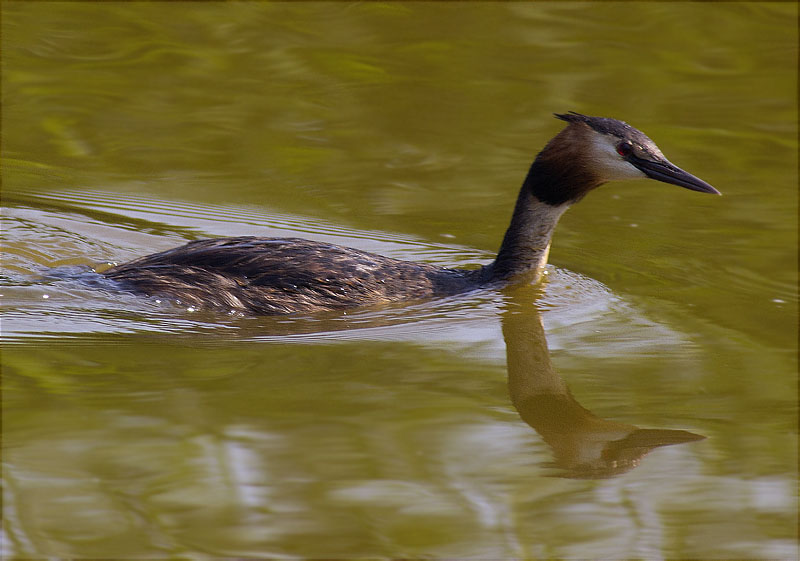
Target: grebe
x,y
255,275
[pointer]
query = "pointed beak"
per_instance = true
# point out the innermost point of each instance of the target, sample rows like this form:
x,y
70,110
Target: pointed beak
x,y
669,173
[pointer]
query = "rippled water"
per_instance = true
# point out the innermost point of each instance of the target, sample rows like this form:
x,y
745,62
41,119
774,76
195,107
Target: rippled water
x,y
641,403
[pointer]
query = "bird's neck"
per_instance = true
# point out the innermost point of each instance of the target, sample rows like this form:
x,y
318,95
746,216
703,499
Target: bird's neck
x,y
526,245
551,186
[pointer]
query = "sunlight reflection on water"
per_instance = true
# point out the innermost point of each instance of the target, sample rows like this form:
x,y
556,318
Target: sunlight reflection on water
x,y
74,301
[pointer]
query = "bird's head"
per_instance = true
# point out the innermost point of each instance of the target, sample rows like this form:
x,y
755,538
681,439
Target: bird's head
x,y
591,151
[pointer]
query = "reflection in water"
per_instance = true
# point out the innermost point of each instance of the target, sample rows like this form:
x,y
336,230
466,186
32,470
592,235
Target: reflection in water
x,y
583,444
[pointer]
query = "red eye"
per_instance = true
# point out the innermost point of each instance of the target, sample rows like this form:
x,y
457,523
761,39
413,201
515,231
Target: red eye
x,y
624,148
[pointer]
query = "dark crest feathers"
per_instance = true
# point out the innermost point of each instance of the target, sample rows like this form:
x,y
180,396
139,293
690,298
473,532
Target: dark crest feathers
x,y
603,125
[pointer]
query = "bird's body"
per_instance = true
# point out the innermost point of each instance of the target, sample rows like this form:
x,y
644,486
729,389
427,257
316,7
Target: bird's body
x,y
287,275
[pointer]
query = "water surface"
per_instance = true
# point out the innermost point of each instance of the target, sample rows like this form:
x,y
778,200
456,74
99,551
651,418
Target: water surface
x,y
641,403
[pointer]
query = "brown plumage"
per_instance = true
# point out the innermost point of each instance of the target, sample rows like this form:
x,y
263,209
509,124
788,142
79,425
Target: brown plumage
x,y
284,275
288,275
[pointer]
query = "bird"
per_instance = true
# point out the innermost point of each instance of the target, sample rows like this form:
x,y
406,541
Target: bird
x,y
253,275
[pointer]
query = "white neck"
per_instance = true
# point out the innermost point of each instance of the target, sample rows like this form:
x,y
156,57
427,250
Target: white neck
x,y
526,244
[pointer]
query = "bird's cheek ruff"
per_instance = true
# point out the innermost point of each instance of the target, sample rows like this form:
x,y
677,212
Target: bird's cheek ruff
x,y
558,185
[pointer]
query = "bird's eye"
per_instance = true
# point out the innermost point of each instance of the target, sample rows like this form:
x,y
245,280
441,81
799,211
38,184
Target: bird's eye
x,y
624,148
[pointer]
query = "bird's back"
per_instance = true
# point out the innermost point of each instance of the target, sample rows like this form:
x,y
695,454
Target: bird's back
x,y
283,275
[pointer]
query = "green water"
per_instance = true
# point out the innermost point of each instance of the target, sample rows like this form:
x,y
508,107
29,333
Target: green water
x,y
498,424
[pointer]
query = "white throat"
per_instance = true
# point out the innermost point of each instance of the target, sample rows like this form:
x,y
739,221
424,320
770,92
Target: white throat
x,y
526,245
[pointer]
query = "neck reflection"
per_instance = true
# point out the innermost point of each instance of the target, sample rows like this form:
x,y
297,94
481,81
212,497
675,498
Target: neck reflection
x,y
583,444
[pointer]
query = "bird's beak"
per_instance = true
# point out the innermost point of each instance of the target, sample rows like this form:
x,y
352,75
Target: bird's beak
x,y
669,173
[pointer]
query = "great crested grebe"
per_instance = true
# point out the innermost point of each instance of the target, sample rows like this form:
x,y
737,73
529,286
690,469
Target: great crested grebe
x,y
255,275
